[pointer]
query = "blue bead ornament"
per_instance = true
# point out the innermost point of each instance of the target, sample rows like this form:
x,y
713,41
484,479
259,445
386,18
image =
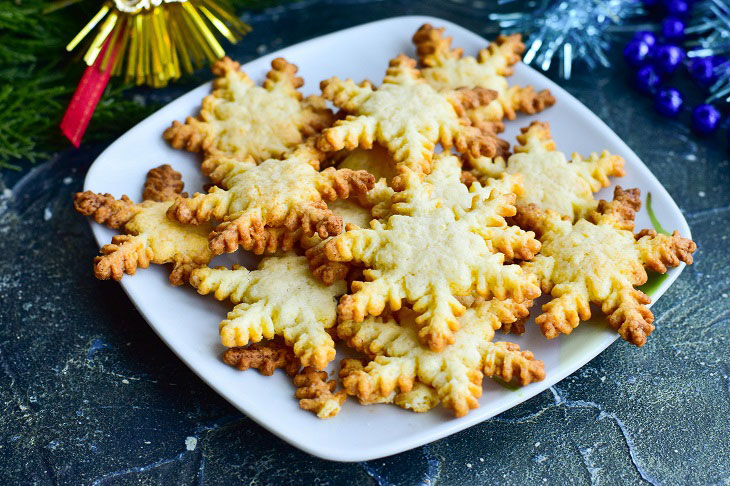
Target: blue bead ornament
x,y
707,40
708,34
702,70
705,119
673,29
677,8
646,79
717,60
668,59
636,53
647,37
668,102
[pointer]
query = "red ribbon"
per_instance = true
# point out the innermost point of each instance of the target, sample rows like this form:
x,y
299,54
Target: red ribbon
x,y
86,97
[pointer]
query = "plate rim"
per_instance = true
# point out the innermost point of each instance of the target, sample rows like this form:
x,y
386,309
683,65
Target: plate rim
x,y
455,425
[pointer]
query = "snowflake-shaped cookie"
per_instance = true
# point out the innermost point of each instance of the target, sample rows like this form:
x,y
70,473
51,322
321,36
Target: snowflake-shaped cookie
x,y
241,119
429,253
398,359
355,213
405,115
375,160
549,179
280,298
419,398
446,69
600,261
287,193
150,237
443,188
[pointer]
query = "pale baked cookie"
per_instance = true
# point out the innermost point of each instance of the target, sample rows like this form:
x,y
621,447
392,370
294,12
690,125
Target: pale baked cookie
x,y
355,213
149,236
419,398
550,180
399,359
376,160
241,119
352,213
446,69
441,188
407,116
254,200
428,253
280,298
600,261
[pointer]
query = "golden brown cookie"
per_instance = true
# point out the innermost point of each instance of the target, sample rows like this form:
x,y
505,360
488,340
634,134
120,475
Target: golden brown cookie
x,y
599,261
240,119
149,236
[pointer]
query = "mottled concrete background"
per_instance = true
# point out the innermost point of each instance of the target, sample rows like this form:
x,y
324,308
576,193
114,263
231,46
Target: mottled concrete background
x,y
89,394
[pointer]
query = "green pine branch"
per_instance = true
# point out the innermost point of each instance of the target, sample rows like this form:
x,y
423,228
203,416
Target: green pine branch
x,y
38,77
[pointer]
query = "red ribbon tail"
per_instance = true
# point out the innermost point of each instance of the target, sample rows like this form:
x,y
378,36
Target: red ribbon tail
x,y
85,98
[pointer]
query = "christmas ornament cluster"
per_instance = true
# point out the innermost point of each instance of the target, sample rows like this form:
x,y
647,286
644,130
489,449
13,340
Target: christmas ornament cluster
x,y
148,42
656,57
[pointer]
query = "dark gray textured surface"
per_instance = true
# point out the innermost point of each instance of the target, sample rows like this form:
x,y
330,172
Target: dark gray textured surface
x,y
89,394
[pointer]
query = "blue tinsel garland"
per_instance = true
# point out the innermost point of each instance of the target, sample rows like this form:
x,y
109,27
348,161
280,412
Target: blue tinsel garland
x,y
569,29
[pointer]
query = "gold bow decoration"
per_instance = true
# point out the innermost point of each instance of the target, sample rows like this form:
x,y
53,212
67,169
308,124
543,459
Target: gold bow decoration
x,y
155,41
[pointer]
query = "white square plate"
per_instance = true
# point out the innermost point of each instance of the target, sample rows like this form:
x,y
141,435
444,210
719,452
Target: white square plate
x,y
188,323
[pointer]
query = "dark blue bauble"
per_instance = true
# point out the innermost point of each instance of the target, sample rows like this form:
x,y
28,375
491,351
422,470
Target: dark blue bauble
x,y
705,119
668,58
636,53
677,8
717,60
668,102
673,29
646,79
647,37
702,70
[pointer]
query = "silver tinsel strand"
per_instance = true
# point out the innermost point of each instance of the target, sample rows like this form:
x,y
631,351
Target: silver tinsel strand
x,y
709,33
572,30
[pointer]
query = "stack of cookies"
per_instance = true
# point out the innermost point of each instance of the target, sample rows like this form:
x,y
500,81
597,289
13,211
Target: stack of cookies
x,y
400,225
